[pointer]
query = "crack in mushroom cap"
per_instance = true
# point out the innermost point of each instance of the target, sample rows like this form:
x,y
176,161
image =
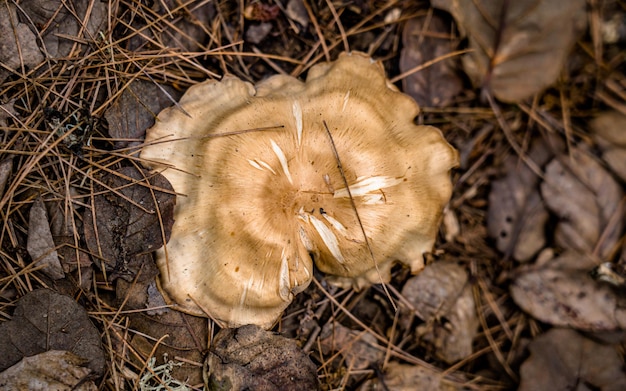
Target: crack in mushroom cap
x,y
257,208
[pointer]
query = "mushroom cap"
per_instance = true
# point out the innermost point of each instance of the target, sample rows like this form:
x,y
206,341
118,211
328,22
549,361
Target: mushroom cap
x,y
262,197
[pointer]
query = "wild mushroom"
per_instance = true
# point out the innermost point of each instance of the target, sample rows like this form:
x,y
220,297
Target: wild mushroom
x,y
262,172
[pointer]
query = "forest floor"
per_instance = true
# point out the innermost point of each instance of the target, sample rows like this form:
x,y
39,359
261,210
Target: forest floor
x,y
524,288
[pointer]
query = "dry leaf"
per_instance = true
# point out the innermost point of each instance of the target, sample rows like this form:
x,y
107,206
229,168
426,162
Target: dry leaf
x,y
563,293
517,216
186,334
609,129
53,370
186,28
252,358
438,84
136,109
562,359
442,295
40,244
587,200
358,348
402,377
19,44
81,19
6,166
519,47
66,238
45,320
297,11
128,225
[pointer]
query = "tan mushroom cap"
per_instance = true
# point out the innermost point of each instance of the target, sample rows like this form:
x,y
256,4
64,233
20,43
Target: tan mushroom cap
x,y
260,206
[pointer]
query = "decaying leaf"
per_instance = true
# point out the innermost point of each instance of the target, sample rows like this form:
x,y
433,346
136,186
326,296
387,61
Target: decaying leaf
x,y
136,109
562,359
563,293
519,47
52,370
403,377
126,225
186,30
19,44
63,230
40,244
442,295
45,320
296,11
422,39
81,19
186,334
587,200
517,216
6,166
609,129
358,348
252,358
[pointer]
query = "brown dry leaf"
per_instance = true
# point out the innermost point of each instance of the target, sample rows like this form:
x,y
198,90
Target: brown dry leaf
x,y
6,166
122,232
62,19
45,320
442,295
66,238
53,370
563,359
438,84
358,348
587,200
519,47
402,377
136,109
19,44
296,11
516,216
40,244
252,358
563,293
185,29
186,334
609,129
7,110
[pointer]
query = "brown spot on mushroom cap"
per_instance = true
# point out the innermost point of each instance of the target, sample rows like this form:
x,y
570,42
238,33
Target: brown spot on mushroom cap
x,y
257,204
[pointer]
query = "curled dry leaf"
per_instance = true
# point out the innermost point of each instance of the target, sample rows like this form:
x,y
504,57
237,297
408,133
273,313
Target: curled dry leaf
x,y
123,226
562,358
84,20
517,216
45,320
609,129
518,47
252,358
587,199
424,39
563,293
402,377
358,348
442,295
52,370
40,244
19,44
